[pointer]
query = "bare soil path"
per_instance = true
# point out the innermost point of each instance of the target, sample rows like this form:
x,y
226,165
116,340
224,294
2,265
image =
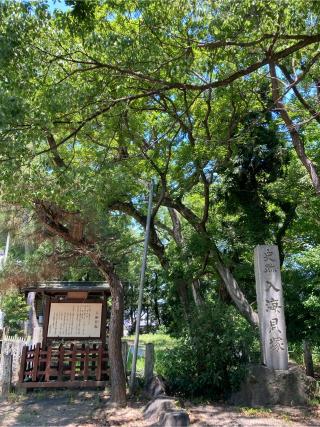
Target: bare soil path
x,y
232,416
92,408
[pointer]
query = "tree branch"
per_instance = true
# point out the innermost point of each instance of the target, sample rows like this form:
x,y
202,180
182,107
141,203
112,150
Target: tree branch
x,y
293,85
155,242
294,134
53,148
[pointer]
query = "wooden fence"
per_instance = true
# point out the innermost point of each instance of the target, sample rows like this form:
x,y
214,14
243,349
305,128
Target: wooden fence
x,y
71,367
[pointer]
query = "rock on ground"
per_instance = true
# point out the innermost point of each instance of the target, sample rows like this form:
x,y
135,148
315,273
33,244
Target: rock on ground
x,y
263,386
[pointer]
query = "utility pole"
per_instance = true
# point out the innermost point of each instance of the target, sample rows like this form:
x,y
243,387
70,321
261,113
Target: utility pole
x,y
142,277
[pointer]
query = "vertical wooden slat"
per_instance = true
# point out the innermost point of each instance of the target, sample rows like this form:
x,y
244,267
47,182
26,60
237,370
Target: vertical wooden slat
x,y
100,357
23,363
86,363
73,362
103,330
36,355
60,362
94,358
48,364
82,357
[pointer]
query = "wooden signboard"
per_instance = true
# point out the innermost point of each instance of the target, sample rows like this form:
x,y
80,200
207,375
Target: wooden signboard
x,y
75,320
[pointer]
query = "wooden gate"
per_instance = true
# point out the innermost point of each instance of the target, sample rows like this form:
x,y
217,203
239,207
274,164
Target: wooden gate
x,y
70,367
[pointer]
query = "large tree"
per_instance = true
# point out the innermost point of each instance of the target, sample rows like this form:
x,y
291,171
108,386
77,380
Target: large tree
x,y
98,99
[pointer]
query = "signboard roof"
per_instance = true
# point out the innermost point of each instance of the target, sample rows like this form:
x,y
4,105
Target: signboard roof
x,y
69,286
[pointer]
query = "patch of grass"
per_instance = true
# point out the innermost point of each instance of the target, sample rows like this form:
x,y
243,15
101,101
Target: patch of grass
x,y
139,366
315,401
160,341
255,412
286,418
14,397
40,394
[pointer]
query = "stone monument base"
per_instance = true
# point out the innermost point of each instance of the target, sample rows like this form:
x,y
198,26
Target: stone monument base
x,y
263,386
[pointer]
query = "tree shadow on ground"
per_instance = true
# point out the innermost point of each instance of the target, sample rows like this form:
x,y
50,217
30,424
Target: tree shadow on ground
x,y
51,408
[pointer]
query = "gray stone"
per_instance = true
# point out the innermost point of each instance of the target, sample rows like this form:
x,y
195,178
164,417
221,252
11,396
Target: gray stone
x,y
155,387
161,404
163,412
270,307
174,419
12,346
263,386
5,380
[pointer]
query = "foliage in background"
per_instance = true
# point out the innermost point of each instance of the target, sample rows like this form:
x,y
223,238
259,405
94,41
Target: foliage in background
x,y
99,99
15,309
210,359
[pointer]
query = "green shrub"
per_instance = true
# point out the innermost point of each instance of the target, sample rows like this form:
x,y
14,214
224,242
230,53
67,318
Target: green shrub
x,y
15,311
210,358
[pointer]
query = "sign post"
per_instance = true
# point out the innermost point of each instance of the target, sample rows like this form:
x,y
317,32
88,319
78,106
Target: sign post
x,y
142,276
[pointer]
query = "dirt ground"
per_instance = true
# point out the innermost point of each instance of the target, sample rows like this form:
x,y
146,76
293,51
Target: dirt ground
x,y
91,408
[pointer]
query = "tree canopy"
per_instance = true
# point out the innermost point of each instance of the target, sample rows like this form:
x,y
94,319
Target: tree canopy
x,y
216,100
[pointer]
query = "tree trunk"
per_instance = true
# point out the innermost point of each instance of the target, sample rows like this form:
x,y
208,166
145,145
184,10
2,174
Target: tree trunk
x,y
292,128
182,289
55,220
32,320
236,295
307,355
197,297
117,376
147,312
231,284
155,301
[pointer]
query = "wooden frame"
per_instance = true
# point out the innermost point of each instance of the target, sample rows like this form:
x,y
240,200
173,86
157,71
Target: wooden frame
x,y
50,300
70,367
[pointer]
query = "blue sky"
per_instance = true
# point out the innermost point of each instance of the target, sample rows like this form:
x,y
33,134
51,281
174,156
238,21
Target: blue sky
x,y
57,4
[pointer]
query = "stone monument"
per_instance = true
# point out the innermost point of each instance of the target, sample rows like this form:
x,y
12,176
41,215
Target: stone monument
x,y
270,307
273,383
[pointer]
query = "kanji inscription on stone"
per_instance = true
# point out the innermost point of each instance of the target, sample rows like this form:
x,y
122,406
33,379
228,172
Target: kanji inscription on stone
x,y
270,307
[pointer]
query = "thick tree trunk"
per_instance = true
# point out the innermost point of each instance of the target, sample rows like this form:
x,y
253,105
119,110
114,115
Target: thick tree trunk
x,y
307,355
236,295
55,220
117,376
182,289
231,284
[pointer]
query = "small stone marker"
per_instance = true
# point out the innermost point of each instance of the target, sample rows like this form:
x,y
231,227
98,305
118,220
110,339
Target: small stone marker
x,y
6,374
270,307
